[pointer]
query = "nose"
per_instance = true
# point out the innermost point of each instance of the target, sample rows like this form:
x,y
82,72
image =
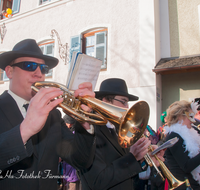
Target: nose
x,y
38,72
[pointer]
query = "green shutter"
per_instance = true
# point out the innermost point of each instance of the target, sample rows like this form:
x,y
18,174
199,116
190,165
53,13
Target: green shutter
x,y
101,43
74,46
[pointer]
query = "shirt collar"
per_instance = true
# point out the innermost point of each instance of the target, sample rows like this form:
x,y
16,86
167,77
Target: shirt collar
x,y
20,101
110,125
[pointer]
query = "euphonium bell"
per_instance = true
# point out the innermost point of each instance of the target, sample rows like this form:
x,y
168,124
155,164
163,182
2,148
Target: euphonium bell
x,y
132,122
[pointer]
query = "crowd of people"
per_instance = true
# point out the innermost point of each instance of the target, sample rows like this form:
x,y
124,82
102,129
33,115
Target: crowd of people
x,y
41,150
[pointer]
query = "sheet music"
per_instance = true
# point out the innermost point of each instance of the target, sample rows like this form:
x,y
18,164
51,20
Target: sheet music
x,y
86,69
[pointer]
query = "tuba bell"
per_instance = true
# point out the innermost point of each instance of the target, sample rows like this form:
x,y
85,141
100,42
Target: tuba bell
x,y
131,122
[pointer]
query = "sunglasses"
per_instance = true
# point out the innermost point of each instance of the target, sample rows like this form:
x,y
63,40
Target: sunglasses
x,y
32,66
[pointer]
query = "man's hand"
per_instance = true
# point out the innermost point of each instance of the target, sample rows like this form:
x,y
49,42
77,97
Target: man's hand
x,y
140,148
85,89
39,107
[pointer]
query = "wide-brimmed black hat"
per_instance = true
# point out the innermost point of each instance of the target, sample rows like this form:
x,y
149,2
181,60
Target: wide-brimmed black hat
x,y
26,48
114,86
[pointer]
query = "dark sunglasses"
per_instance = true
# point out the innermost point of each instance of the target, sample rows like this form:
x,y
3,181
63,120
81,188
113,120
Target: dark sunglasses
x,y
32,66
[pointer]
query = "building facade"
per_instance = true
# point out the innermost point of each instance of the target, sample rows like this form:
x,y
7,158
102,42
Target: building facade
x,y
178,70
130,37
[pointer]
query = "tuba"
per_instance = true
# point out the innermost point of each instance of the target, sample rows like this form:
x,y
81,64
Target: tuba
x,y
131,122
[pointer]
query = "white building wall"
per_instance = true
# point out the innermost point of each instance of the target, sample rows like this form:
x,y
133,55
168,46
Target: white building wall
x,y
164,29
131,50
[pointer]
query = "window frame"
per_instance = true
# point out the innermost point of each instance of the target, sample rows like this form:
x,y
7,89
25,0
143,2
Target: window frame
x,y
14,2
18,6
42,3
95,33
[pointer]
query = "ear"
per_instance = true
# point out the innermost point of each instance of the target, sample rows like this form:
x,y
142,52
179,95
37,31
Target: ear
x,y
9,71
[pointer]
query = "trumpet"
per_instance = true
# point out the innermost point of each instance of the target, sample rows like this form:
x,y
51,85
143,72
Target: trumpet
x,y
132,122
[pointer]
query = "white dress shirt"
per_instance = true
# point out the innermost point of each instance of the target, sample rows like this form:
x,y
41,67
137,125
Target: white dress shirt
x,y
20,102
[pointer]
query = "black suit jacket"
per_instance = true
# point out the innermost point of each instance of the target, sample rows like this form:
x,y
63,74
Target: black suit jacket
x,y
35,165
113,167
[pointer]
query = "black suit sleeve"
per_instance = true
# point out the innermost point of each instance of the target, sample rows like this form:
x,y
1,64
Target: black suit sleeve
x,y
103,176
77,149
12,148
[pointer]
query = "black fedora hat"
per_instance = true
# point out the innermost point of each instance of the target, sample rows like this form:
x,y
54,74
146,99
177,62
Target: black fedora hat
x,y
114,86
26,48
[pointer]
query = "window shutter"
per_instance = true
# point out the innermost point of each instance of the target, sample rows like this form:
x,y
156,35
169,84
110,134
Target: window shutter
x,y
42,48
5,78
15,6
1,74
75,46
48,49
100,39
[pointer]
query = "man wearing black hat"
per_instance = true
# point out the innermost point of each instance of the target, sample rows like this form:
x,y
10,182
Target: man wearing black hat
x,y
113,166
31,140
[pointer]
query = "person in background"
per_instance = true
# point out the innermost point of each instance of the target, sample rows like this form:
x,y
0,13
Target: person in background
x,y
183,158
145,182
114,167
197,115
70,181
151,134
161,130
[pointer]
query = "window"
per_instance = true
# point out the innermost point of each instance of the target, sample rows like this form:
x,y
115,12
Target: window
x,y
12,4
48,49
3,76
44,1
94,43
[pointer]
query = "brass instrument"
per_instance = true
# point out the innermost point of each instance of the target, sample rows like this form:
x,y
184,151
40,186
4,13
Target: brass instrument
x,y
132,122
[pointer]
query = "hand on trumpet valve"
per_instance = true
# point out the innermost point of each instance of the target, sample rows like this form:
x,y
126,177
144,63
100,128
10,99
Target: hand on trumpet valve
x,y
160,155
140,148
85,89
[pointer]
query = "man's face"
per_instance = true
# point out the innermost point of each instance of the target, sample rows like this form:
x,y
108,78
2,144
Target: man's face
x,y
21,80
120,101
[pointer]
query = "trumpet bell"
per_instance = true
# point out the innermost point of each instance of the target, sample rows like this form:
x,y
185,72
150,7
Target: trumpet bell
x,y
133,124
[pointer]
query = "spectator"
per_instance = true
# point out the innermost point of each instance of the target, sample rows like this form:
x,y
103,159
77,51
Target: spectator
x,y
71,180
